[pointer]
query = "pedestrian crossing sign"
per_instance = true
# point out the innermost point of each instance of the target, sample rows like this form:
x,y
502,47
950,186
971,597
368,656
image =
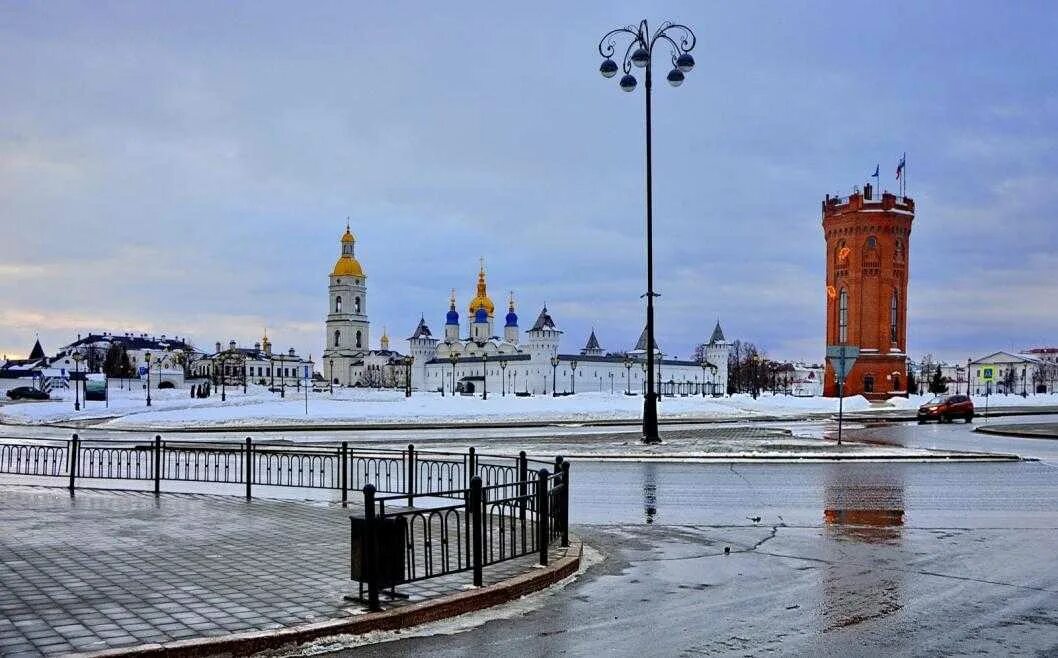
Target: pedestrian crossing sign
x,y
988,373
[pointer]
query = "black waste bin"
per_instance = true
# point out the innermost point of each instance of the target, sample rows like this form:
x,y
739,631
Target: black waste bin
x,y
390,546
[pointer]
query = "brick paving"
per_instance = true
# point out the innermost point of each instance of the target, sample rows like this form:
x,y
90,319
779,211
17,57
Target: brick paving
x,y
109,569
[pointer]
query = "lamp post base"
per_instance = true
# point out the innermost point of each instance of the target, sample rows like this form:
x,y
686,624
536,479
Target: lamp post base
x,y
650,420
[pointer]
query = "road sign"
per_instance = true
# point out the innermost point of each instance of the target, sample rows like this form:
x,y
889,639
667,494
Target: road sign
x,y
988,374
842,358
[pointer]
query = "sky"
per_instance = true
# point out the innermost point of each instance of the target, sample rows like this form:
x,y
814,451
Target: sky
x,y
187,168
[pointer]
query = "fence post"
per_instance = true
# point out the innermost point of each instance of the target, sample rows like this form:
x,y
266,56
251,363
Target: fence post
x,y
472,464
157,464
542,529
248,475
74,449
565,504
476,506
410,477
345,473
523,490
370,544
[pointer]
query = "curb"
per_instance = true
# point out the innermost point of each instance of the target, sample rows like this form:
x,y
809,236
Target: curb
x,y
1008,430
801,459
244,644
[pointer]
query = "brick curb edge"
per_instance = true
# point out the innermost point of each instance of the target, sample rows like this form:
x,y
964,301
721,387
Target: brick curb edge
x,y
243,644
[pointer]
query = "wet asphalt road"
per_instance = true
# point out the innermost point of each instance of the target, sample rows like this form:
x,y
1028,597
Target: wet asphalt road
x,y
847,559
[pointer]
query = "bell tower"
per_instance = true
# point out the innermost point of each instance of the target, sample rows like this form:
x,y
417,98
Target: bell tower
x,y
347,328
867,241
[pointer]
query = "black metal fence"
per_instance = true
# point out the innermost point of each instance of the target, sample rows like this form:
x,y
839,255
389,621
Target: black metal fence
x,y
452,512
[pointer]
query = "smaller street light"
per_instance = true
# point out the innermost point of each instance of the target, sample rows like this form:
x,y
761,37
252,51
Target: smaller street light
x,y
453,357
408,360
572,379
503,378
484,376
77,358
628,371
554,376
147,358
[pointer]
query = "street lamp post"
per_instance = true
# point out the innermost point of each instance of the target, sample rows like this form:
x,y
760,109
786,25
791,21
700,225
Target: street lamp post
x,y
640,53
554,376
705,364
503,378
611,383
224,377
408,360
572,379
484,376
968,360
453,357
77,358
628,379
147,358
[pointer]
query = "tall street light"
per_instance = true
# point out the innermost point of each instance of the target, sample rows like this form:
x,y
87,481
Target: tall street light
x,y
484,376
680,40
572,379
503,380
554,376
453,357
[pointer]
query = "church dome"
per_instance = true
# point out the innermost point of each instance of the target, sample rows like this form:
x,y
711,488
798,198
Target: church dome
x,y
481,315
512,319
347,266
481,299
452,317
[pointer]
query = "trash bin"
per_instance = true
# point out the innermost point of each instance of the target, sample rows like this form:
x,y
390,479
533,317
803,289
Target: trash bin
x,y
390,546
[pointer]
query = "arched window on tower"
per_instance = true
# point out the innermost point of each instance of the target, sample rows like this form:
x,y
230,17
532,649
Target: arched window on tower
x,y
338,304
337,337
359,338
899,250
843,316
894,317
356,305
868,383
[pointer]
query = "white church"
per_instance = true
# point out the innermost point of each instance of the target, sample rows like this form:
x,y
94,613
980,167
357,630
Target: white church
x,y
475,360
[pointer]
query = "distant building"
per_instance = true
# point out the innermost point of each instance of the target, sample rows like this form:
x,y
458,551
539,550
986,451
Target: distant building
x,y
1003,372
867,241
234,365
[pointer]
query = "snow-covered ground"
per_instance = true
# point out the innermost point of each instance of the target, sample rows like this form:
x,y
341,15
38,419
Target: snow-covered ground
x,y
171,408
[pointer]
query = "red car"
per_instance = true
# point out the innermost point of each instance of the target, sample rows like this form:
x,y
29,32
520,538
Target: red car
x,y
947,409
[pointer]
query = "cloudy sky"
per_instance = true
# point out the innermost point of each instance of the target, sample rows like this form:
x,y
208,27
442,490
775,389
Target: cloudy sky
x,y
187,168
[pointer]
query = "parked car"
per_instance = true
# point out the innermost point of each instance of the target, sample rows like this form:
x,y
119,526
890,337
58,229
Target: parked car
x,y
27,393
947,409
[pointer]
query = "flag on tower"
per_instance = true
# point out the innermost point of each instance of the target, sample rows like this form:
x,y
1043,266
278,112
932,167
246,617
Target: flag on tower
x,y
900,166
876,168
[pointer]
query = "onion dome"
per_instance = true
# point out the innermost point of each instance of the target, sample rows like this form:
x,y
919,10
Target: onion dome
x,y
512,317
347,265
453,314
481,315
481,299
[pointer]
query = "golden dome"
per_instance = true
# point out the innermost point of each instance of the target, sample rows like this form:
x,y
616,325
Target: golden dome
x,y
481,300
347,266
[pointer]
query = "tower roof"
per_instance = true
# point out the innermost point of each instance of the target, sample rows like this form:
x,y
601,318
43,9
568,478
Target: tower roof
x,y
718,335
421,330
641,344
544,322
347,264
481,299
453,315
37,352
512,317
593,342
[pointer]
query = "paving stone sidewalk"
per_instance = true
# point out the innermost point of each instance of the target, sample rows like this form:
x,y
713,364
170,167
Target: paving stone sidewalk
x,y
110,569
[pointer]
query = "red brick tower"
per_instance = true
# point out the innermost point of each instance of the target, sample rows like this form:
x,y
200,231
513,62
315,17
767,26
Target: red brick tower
x,y
867,254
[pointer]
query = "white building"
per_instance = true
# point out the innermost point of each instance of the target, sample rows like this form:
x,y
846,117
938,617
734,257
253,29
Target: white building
x,y
1003,372
480,360
234,366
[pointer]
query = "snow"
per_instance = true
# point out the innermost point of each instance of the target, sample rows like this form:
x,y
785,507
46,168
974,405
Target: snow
x,y
172,408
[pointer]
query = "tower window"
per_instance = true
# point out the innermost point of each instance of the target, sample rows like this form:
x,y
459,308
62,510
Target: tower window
x,y
899,249
872,242
338,304
894,316
868,383
843,316
337,338
356,305
359,339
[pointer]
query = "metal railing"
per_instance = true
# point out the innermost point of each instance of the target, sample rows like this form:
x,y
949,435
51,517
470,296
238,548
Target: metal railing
x,y
454,512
